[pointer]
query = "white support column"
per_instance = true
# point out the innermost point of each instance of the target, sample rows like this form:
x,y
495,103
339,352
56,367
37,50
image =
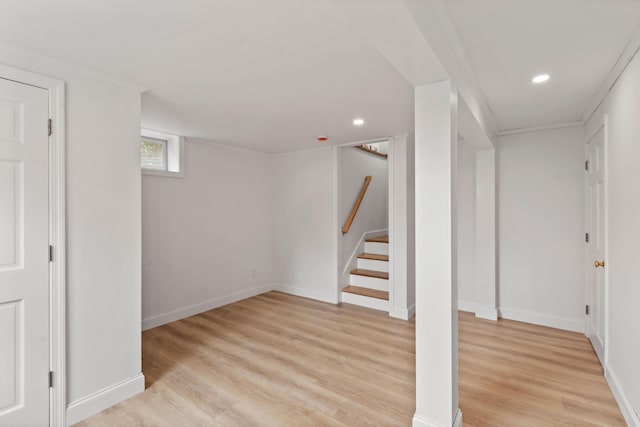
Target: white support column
x,y
436,288
486,235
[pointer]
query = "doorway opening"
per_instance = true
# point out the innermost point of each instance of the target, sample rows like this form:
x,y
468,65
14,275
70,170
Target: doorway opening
x,y
363,215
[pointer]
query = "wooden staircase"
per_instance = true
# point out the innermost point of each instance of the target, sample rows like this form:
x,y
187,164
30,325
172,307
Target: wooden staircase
x,y
369,283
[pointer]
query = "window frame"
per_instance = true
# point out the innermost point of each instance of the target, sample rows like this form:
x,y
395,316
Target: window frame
x,y
165,153
174,154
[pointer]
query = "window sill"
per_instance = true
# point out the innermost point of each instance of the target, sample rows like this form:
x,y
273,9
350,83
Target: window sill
x,y
166,174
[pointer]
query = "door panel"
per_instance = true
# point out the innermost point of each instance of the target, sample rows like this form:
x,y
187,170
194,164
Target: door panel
x,y
10,214
11,330
10,120
24,255
596,222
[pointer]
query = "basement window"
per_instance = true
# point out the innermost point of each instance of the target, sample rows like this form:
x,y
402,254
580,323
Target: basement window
x,y
161,154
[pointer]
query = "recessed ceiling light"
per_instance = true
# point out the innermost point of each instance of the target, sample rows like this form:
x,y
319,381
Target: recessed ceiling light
x,y
358,122
540,78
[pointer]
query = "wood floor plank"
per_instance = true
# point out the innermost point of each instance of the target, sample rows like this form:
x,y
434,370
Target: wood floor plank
x,y
280,360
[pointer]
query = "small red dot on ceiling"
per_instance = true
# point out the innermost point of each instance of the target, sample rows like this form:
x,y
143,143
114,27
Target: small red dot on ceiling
x,y
322,139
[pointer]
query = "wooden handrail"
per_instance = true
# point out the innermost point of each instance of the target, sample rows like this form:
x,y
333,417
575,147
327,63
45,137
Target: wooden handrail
x,y
369,150
356,205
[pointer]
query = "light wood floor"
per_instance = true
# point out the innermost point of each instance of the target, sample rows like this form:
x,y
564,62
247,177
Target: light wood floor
x,y
279,360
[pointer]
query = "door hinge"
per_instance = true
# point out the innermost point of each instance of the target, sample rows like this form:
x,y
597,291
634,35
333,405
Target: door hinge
x,y
50,379
586,237
586,165
50,253
586,310
49,127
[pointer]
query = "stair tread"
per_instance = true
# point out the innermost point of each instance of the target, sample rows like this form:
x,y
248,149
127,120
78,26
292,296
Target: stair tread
x,y
370,273
376,257
367,292
381,239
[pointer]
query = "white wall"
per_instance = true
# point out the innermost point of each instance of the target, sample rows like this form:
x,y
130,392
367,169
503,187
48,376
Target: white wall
x,y
103,229
355,165
207,238
103,232
402,228
541,227
410,191
622,106
485,234
303,224
466,226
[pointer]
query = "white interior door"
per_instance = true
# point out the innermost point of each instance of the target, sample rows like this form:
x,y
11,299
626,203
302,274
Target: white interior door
x,y
24,255
596,229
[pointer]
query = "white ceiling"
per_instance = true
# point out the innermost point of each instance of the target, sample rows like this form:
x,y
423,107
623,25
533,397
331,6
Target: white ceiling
x,y
265,75
271,75
577,42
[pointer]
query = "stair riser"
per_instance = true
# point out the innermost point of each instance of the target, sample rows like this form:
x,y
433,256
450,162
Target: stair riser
x,y
361,300
369,282
372,264
376,248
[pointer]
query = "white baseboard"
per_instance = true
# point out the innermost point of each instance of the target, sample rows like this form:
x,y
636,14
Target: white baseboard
x,y
399,313
573,325
105,398
487,313
467,306
403,313
306,293
172,316
457,421
419,421
629,414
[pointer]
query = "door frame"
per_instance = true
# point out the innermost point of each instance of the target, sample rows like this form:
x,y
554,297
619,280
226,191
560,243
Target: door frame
x,y
336,158
603,125
337,192
57,236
